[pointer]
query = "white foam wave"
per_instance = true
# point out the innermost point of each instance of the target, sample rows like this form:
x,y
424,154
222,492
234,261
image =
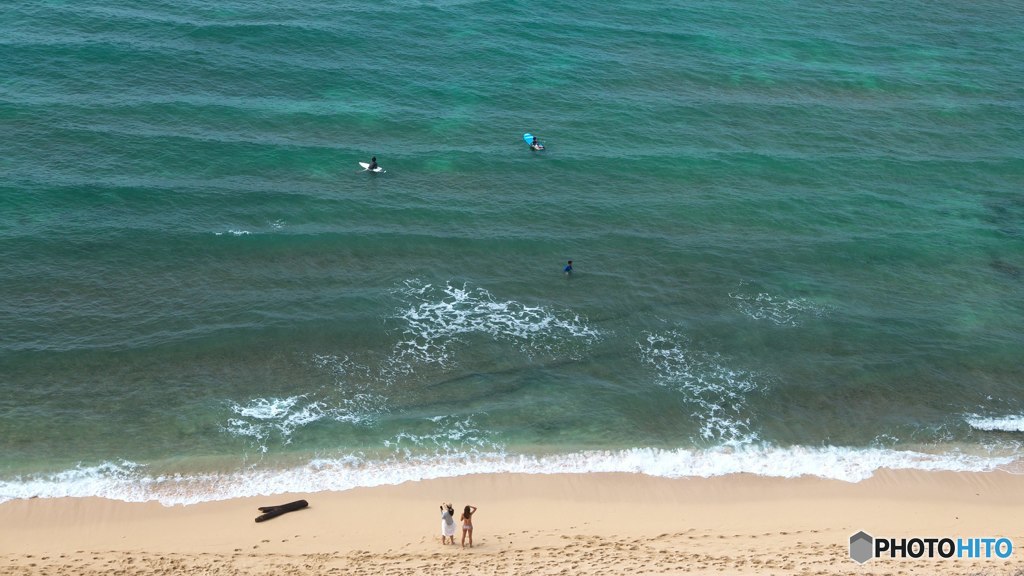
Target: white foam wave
x,y
999,423
448,436
776,309
261,418
129,481
341,368
234,233
268,419
438,317
273,421
718,394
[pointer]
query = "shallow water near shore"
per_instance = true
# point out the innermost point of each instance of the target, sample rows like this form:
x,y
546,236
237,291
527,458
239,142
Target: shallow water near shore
x,y
798,241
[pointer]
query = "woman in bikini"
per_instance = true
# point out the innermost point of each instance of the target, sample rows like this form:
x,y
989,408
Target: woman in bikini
x,y
467,524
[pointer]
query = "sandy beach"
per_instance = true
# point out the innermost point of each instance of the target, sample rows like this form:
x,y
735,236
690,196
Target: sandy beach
x,y
532,524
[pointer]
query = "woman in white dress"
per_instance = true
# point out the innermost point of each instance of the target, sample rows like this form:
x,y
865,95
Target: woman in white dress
x,y
447,523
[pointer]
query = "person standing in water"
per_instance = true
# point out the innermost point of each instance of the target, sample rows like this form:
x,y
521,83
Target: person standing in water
x,y
568,268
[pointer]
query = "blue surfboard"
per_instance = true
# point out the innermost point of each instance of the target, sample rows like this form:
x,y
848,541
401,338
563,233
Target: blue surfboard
x,y
529,140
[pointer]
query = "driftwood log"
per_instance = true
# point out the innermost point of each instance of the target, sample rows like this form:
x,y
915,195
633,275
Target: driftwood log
x,y
275,511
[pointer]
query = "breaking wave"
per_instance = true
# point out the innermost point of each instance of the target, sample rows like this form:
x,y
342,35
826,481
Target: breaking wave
x,y
997,423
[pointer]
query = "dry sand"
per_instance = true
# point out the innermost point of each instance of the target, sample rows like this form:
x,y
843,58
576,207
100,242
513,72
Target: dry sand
x,y
531,524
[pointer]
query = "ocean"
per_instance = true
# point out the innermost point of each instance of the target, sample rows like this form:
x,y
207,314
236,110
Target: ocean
x,y
797,232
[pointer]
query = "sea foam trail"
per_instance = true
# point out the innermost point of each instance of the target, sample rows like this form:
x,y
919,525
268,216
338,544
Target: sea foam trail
x,y
719,395
434,318
272,421
996,424
130,482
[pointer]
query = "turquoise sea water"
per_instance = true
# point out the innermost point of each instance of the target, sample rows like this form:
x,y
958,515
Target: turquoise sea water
x,y
797,232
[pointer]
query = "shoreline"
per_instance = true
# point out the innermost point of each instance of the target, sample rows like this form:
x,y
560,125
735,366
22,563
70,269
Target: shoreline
x,y
597,523
132,482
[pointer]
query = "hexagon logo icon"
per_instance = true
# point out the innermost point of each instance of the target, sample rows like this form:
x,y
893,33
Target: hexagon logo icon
x,y
861,545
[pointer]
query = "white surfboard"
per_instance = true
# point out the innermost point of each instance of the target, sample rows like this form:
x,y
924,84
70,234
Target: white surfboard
x,y
366,166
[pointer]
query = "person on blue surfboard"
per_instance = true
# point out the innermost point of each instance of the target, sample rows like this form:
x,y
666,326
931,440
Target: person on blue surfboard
x,y
536,145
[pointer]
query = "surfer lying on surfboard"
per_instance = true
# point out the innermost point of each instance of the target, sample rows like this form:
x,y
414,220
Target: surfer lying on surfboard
x,y
532,141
